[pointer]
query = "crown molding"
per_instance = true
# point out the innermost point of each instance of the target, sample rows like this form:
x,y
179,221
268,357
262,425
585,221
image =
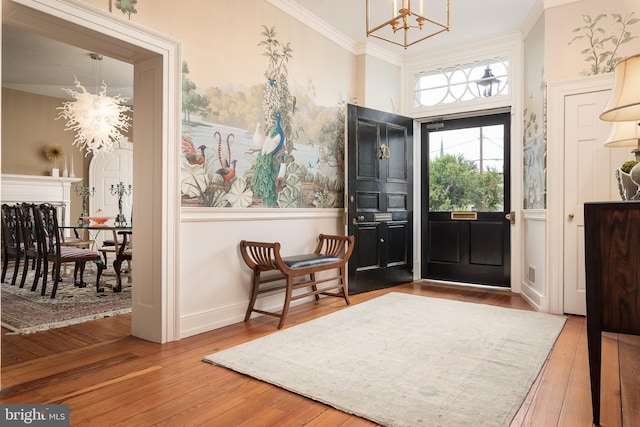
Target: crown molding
x,y
532,18
553,3
301,14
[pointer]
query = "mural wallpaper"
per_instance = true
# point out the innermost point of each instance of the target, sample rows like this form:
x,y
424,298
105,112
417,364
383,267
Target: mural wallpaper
x,y
533,135
534,162
262,147
603,36
599,38
266,144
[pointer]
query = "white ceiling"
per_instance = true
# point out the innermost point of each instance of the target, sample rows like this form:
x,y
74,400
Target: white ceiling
x,y
40,65
470,20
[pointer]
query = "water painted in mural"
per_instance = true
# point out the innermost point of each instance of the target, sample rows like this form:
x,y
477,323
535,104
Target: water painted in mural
x,y
263,146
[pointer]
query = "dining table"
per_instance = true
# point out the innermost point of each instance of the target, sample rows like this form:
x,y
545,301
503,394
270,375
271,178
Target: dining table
x,y
94,230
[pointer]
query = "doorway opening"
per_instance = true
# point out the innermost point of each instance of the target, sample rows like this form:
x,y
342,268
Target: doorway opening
x,y
465,197
156,102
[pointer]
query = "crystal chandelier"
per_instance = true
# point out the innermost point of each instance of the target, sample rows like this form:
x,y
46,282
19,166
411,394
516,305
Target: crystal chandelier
x,y
96,119
407,26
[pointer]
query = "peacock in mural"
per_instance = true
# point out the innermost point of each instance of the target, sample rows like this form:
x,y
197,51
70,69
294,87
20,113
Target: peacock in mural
x,y
277,106
266,168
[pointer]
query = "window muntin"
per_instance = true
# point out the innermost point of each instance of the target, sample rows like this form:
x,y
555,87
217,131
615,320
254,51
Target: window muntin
x,y
460,83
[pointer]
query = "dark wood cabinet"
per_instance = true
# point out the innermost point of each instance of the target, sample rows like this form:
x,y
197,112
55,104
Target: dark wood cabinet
x,y
612,267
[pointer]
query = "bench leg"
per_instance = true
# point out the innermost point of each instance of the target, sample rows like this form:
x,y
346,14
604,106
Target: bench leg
x,y
254,294
314,287
345,291
287,301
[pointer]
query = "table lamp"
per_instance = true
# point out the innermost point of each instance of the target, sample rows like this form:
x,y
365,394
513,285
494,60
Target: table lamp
x,y
623,108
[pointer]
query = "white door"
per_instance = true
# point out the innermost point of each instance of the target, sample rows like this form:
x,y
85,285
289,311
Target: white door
x,y
589,176
106,171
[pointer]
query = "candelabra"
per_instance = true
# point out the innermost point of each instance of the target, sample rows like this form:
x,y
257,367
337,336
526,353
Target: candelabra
x,y
85,192
120,190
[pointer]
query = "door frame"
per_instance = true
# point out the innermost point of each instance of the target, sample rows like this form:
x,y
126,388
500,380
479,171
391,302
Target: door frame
x,y
552,300
516,161
157,92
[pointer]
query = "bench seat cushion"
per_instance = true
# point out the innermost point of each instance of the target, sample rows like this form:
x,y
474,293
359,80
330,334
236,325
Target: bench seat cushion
x,y
309,260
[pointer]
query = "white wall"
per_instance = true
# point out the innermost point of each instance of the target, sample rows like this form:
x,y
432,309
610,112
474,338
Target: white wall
x,y
215,283
534,288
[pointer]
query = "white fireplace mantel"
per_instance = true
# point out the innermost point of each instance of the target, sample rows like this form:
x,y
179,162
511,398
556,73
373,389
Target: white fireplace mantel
x,y
38,189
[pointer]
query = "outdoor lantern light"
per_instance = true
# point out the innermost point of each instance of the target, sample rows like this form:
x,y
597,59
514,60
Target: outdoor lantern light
x,y
488,85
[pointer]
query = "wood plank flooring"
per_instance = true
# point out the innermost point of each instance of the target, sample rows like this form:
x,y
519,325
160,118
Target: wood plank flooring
x,y
110,378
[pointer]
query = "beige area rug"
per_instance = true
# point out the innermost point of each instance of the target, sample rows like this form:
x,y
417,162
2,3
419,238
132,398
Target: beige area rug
x,y
406,360
23,311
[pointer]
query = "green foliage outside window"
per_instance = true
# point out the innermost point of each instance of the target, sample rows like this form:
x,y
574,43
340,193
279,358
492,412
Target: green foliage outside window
x,y
456,184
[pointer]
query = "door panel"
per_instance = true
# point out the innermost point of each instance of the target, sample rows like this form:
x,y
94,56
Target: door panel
x,y
486,243
589,176
398,236
368,236
466,236
379,198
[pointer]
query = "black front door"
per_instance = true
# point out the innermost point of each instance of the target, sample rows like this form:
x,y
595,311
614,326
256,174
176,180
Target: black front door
x,y
465,199
379,193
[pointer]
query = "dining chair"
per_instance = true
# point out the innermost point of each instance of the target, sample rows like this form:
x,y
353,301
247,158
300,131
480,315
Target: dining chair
x,y
49,241
11,244
32,253
125,253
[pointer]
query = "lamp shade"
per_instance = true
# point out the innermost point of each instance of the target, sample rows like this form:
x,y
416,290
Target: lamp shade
x,y
624,103
623,134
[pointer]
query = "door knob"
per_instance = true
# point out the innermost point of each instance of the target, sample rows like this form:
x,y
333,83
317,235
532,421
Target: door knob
x,y
511,216
361,218
571,216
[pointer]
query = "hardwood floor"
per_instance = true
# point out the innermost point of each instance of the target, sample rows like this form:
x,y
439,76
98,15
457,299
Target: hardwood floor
x,y
110,378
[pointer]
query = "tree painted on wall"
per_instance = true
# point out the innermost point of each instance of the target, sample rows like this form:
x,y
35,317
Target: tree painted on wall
x,y
192,102
127,7
603,43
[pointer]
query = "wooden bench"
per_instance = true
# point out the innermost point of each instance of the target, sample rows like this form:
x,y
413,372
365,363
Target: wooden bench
x,y
332,252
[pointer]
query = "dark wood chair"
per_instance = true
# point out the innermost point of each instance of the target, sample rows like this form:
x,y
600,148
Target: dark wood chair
x,y
11,242
125,253
32,253
49,241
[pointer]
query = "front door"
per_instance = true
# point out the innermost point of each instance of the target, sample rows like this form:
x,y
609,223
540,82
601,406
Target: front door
x,y
380,194
465,198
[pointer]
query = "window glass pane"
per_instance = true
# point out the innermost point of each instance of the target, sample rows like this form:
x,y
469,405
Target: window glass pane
x,y
466,169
